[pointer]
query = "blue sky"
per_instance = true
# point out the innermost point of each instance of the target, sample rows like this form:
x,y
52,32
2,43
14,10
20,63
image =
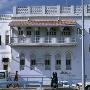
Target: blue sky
x,y
6,5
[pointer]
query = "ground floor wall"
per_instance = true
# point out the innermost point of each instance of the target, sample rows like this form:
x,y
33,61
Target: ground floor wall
x,y
39,53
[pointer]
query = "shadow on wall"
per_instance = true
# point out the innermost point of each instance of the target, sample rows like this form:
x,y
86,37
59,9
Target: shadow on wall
x,y
3,46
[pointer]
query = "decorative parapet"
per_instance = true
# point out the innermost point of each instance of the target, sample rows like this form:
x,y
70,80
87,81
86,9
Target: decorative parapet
x,y
5,16
51,10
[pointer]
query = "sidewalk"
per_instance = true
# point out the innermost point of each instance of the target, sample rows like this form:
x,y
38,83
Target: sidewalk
x,y
43,88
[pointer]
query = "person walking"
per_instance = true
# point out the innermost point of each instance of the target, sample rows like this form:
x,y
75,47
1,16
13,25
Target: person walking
x,y
56,79
16,76
16,79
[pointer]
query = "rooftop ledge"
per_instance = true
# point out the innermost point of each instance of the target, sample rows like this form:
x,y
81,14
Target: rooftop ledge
x,y
50,11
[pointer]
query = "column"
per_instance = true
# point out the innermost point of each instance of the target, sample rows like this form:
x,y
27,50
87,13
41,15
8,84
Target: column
x,y
11,35
63,61
52,63
42,34
48,37
63,66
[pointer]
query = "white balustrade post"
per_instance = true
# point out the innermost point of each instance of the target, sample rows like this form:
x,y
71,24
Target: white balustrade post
x,y
72,10
43,10
58,9
14,11
29,10
85,9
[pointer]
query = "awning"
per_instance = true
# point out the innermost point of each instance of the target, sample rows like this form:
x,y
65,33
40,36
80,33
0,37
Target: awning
x,y
43,23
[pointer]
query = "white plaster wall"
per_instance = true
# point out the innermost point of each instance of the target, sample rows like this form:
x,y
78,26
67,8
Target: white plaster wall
x,y
75,72
5,50
40,52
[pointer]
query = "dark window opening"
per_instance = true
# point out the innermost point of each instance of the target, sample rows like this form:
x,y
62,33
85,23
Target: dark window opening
x,y
20,32
58,62
89,30
47,62
68,62
66,31
22,64
33,62
5,67
28,27
19,28
5,60
37,32
28,32
7,39
0,39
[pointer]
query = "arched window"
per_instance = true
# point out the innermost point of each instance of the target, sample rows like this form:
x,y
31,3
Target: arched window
x,y
52,31
37,36
22,61
66,31
57,62
32,61
47,62
68,61
20,31
28,31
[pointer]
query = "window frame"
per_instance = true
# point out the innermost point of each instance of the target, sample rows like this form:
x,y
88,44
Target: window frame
x,y
6,39
57,62
89,30
47,64
68,61
22,58
51,32
66,31
37,33
28,32
33,62
0,40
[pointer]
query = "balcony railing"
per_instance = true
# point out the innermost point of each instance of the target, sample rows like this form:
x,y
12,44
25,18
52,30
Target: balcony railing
x,y
42,40
51,10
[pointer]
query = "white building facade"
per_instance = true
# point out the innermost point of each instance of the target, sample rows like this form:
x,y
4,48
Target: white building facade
x,y
5,49
47,39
